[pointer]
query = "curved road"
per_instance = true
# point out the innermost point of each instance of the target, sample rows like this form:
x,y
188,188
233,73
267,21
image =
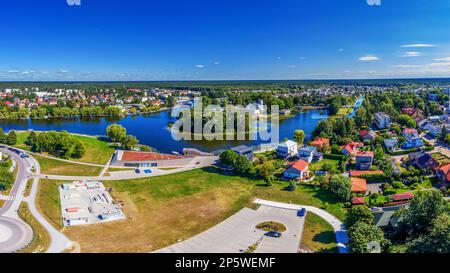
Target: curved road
x,y
15,234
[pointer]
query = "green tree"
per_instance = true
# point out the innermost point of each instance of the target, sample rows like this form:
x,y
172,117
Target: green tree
x,y
228,157
129,142
78,151
341,186
116,132
31,139
424,208
6,180
407,121
362,234
11,138
299,136
438,239
359,214
267,172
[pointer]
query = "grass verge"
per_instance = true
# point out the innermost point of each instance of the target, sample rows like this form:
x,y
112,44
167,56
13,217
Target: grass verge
x,y
318,235
41,239
57,167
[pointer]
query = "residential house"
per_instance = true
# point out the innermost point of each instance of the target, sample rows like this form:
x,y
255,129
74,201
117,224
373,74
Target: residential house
x,y
367,135
364,160
287,149
443,173
320,143
359,185
413,140
306,153
244,151
382,120
414,113
436,130
402,197
423,160
297,170
432,96
351,148
390,143
358,201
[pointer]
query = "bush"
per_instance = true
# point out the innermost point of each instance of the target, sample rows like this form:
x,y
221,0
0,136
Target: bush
x,y
334,156
397,185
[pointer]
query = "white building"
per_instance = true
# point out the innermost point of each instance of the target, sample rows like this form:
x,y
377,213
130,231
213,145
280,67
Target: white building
x,y
287,149
382,121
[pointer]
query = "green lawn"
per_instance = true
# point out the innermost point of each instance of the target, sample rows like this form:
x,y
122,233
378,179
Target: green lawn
x,y
317,166
176,206
97,151
57,167
318,235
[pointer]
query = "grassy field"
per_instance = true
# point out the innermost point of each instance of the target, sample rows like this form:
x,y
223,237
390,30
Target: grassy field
x,y
162,210
318,235
41,239
317,166
1,203
57,167
97,151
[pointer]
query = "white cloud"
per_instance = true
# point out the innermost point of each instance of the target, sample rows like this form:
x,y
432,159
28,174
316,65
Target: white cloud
x,y
216,63
446,59
408,65
439,64
419,45
411,54
340,49
199,66
13,71
368,58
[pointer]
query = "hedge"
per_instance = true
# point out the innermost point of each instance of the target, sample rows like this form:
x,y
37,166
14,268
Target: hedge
x,y
334,156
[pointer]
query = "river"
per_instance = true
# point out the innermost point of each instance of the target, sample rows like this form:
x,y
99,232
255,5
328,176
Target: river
x,y
151,129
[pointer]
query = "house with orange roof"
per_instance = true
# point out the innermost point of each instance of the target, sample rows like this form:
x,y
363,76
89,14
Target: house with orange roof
x,y
359,185
351,148
320,143
443,172
298,170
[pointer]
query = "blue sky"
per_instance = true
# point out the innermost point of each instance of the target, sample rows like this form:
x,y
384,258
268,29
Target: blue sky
x,y
223,39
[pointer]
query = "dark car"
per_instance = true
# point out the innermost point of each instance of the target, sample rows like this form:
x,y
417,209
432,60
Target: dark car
x,y
273,234
301,213
137,171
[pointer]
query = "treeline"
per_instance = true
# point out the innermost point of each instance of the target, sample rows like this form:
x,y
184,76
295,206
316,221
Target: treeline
x,y
60,112
59,144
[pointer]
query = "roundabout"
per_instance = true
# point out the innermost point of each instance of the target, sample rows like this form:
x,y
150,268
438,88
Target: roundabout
x,y
14,234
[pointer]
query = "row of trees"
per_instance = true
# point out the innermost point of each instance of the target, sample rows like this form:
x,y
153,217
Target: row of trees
x,y
59,144
9,139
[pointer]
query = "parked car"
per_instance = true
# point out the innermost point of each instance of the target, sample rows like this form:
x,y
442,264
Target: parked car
x,y
301,213
148,171
137,171
274,234
24,155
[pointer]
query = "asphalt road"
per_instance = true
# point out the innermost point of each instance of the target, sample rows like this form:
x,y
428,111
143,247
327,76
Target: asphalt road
x,y
14,232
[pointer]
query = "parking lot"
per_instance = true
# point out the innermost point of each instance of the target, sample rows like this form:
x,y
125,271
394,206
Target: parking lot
x,y
85,203
237,233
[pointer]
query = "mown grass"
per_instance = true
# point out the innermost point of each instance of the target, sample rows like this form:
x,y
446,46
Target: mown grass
x,y
316,166
41,239
56,167
162,210
318,235
97,151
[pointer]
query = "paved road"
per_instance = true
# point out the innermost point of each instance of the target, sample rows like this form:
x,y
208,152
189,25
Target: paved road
x,y
339,228
15,234
238,233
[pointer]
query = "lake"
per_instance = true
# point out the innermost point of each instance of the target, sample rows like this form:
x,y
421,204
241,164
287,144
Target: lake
x,y
151,129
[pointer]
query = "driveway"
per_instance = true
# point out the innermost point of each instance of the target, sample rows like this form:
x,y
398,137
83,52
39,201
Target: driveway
x,y
238,233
